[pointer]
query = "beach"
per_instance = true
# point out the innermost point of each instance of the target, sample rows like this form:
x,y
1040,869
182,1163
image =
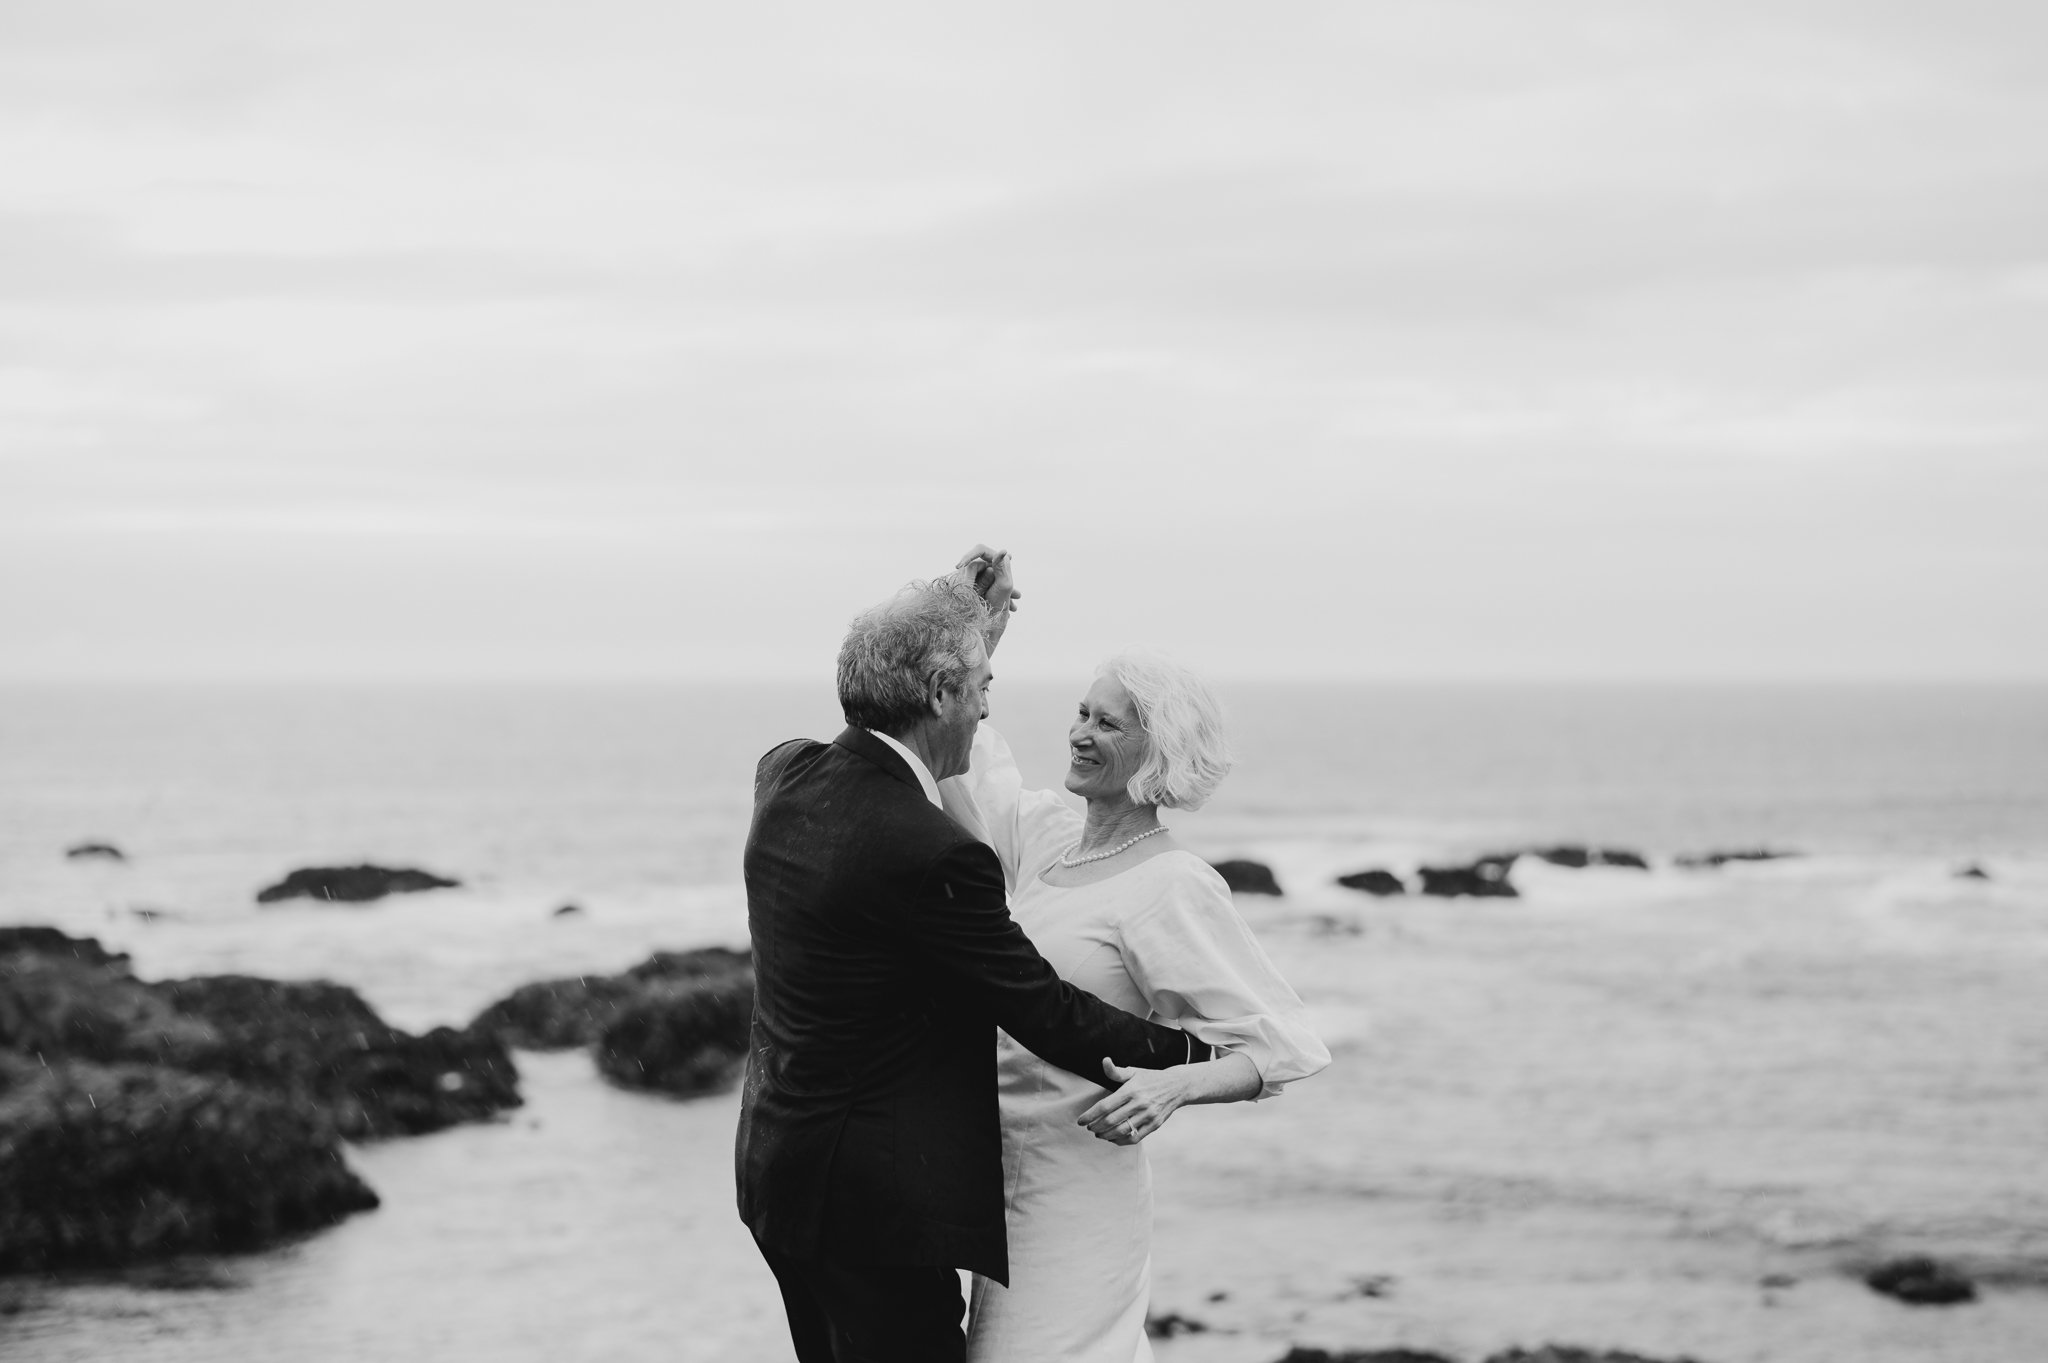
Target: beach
x,y
1671,1110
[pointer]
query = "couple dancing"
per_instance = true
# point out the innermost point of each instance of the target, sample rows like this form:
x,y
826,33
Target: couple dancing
x,y
907,897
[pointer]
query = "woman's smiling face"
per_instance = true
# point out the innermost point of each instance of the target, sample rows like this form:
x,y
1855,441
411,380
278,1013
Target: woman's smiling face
x,y
1106,744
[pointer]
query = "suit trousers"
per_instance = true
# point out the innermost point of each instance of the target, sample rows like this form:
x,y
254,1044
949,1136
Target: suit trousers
x,y
863,1313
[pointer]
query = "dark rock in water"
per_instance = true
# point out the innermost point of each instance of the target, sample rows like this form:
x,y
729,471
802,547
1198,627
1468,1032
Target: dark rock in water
x,y
1567,1353
1303,1354
1247,877
1702,860
680,1035
105,1165
1578,858
1375,881
313,1042
1973,872
351,884
568,909
105,851
1920,1281
574,1011
1487,877
1172,1324
322,1042
37,940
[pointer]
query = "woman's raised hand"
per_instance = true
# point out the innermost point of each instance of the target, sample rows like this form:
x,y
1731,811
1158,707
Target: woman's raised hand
x,y
993,577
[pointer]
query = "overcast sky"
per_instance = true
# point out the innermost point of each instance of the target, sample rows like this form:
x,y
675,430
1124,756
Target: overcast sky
x,y
1496,340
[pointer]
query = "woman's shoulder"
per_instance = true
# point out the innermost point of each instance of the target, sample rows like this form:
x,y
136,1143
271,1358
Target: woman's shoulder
x,y
1173,880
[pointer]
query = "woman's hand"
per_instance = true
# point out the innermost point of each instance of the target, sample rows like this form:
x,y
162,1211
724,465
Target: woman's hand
x,y
993,577
1142,1102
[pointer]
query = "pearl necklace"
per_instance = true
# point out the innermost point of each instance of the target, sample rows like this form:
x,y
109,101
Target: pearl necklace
x,y
1104,856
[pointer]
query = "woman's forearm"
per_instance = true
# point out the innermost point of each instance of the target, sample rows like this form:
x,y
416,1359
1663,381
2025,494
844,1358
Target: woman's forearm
x,y
1226,1079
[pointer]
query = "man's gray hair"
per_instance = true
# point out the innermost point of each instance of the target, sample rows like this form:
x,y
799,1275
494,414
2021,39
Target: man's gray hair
x,y
929,631
1190,753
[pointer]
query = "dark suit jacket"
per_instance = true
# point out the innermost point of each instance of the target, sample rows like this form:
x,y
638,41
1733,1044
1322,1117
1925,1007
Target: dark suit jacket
x,y
884,959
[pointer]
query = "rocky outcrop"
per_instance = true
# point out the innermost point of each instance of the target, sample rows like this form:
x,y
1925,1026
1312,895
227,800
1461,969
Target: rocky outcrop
x,y
1247,877
1973,872
1578,857
313,1042
1485,877
1920,1281
681,1036
1374,882
1571,1353
1173,1324
1549,1353
575,1010
1362,1355
141,1119
323,1042
36,940
1708,860
351,884
101,851
103,1165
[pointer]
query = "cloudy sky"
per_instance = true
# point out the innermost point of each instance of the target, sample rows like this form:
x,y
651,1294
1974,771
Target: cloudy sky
x,y
1434,339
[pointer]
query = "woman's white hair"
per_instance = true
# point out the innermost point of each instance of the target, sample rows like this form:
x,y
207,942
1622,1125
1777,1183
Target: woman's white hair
x,y
1189,755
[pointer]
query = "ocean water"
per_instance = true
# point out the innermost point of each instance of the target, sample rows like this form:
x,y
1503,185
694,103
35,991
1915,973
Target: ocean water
x,y
1602,1113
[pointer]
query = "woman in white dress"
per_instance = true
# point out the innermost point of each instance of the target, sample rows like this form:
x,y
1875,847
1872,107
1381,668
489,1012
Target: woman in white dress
x,y
1120,909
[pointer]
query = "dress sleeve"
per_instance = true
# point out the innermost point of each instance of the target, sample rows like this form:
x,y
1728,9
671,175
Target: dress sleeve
x,y
1028,828
1191,954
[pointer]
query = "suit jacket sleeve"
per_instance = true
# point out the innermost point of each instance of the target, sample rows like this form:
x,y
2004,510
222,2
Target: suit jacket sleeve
x,y
958,925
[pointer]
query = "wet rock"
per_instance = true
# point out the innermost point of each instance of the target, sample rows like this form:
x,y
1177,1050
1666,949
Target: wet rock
x,y
568,910
684,1036
106,1165
1374,882
1173,1323
313,1042
351,884
1485,877
103,851
1973,872
1919,1280
36,940
323,1042
575,1010
1362,1355
1247,877
1707,860
1578,858
1567,1353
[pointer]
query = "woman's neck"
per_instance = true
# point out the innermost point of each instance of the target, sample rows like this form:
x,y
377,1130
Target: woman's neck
x,y
1110,822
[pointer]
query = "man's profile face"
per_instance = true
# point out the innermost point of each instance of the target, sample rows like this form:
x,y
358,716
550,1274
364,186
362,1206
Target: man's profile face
x,y
962,709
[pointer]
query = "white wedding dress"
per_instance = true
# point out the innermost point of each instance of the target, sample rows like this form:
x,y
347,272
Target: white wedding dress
x,y
1162,940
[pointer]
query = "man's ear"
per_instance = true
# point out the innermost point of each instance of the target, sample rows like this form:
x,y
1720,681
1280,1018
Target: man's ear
x,y
935,695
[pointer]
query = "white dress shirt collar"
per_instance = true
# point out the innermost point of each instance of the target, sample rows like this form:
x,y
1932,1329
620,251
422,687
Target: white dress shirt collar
x,y
917,769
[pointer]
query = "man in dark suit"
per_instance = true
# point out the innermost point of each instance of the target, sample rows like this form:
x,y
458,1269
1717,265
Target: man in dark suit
x,y
869,1150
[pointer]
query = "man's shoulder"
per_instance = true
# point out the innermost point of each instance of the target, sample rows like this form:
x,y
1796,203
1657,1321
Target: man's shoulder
x,y
835,785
